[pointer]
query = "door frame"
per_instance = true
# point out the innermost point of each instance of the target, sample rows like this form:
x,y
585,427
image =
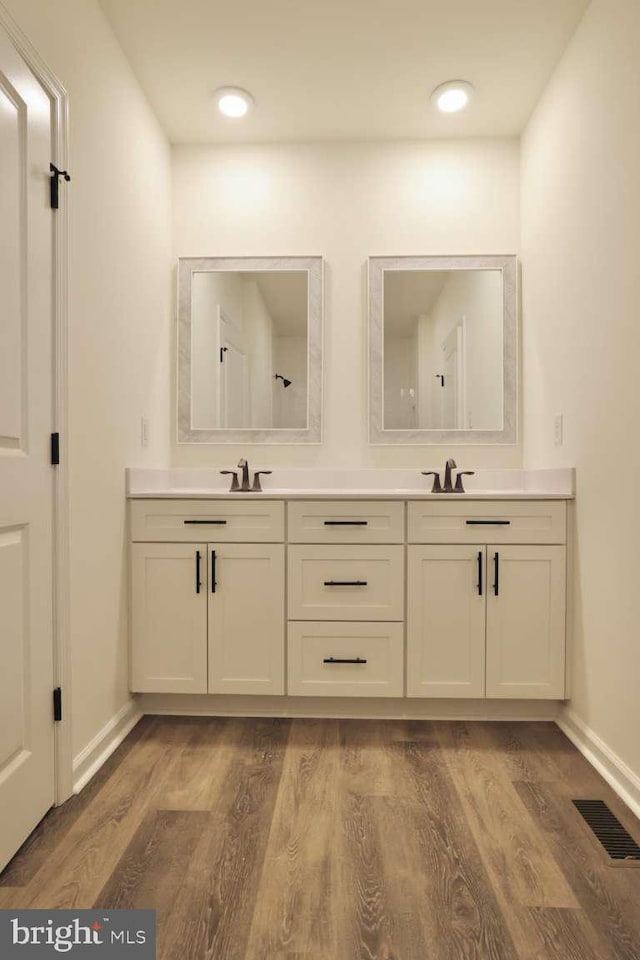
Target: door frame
x,y
456,343
63,749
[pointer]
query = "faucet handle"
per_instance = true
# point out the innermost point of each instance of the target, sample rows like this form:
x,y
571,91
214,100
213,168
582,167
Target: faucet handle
x,y
256,480
437,486
234,483
459,488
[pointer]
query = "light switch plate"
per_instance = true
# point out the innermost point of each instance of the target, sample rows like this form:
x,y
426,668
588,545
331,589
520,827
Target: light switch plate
x,y
558,429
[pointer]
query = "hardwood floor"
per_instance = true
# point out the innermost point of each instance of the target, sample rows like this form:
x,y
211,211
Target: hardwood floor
x,y
342,840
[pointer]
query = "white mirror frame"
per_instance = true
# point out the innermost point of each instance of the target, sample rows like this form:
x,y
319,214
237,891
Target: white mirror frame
x,y
377,432
187,266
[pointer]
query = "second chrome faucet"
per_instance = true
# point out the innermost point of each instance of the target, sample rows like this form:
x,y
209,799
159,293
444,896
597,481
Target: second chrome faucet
x,y
244,486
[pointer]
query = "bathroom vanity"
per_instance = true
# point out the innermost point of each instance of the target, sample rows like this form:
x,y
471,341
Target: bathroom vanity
x,y
349,584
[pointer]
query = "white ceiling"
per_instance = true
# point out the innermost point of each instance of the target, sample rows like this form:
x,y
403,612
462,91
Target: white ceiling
x,y
342,69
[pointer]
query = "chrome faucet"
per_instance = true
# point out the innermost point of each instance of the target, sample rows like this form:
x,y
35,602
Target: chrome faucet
x,y
244,466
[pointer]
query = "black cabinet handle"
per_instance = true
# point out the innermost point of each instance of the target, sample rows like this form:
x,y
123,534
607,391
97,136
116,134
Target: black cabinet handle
x,y
198,561
343,660
496,574
213,572
345,583
480,573
488,523
346,523
219,522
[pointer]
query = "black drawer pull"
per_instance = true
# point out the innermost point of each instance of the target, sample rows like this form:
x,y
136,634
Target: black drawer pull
x,y
345,583
343,660
488,523
214,582
496,573
346,523
198,580
220,522
480,573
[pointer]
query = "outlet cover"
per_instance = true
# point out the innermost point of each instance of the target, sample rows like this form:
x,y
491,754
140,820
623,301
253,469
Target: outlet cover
x,y
558,429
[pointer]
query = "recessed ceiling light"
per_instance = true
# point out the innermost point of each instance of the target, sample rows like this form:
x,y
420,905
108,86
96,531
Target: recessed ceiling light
x,y
452,96
233,101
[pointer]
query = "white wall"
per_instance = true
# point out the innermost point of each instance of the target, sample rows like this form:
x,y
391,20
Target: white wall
x,y
581,216
346,202
120,328
400,376
290,404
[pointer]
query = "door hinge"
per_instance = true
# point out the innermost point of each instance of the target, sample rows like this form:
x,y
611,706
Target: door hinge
x,y
54,184
57,704
55,449
223,350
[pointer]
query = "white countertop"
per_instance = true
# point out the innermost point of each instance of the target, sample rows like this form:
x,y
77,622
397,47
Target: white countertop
x,y
287,483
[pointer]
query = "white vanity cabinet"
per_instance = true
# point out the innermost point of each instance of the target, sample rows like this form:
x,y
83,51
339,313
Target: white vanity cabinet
x,y
437,598
207,617
487,619
346,598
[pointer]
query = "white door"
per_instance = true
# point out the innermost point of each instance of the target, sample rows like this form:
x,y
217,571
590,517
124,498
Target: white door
x,y
446,621
169,618
526,622
246,618
26,492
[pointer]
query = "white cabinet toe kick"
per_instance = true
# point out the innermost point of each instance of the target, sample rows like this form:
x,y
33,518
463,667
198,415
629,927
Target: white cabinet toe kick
x,y
404,600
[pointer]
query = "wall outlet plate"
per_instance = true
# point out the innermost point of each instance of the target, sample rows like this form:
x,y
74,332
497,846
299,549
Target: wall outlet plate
x,y
558,429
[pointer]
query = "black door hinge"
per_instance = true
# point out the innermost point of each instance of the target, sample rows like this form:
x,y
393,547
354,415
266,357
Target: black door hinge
x,y
54,184
223,350
55,449
57,704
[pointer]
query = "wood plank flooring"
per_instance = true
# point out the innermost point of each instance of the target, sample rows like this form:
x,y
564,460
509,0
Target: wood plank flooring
x,y
269,839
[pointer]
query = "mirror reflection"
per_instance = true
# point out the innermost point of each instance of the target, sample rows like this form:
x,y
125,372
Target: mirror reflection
x,y
249,349
443,349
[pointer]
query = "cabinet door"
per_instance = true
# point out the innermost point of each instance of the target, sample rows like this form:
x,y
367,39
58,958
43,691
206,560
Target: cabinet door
x,y
169,618
446,621
526,622
246,618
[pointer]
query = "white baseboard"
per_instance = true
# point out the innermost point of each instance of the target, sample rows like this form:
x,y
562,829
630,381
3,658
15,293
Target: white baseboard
x,y
232,705
620,777
97,751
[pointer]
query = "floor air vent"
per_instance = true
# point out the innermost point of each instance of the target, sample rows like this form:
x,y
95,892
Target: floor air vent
x,y
618,843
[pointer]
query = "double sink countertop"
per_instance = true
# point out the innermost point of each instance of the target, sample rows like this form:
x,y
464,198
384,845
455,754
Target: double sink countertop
x,y
325,483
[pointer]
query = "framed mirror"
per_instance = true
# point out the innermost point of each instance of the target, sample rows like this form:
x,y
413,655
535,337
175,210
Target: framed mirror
x,y
443,364
250,350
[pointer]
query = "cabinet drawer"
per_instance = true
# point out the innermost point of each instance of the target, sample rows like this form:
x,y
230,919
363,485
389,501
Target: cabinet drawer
x,y
450,521
316,650
346,582
180,521
343,521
